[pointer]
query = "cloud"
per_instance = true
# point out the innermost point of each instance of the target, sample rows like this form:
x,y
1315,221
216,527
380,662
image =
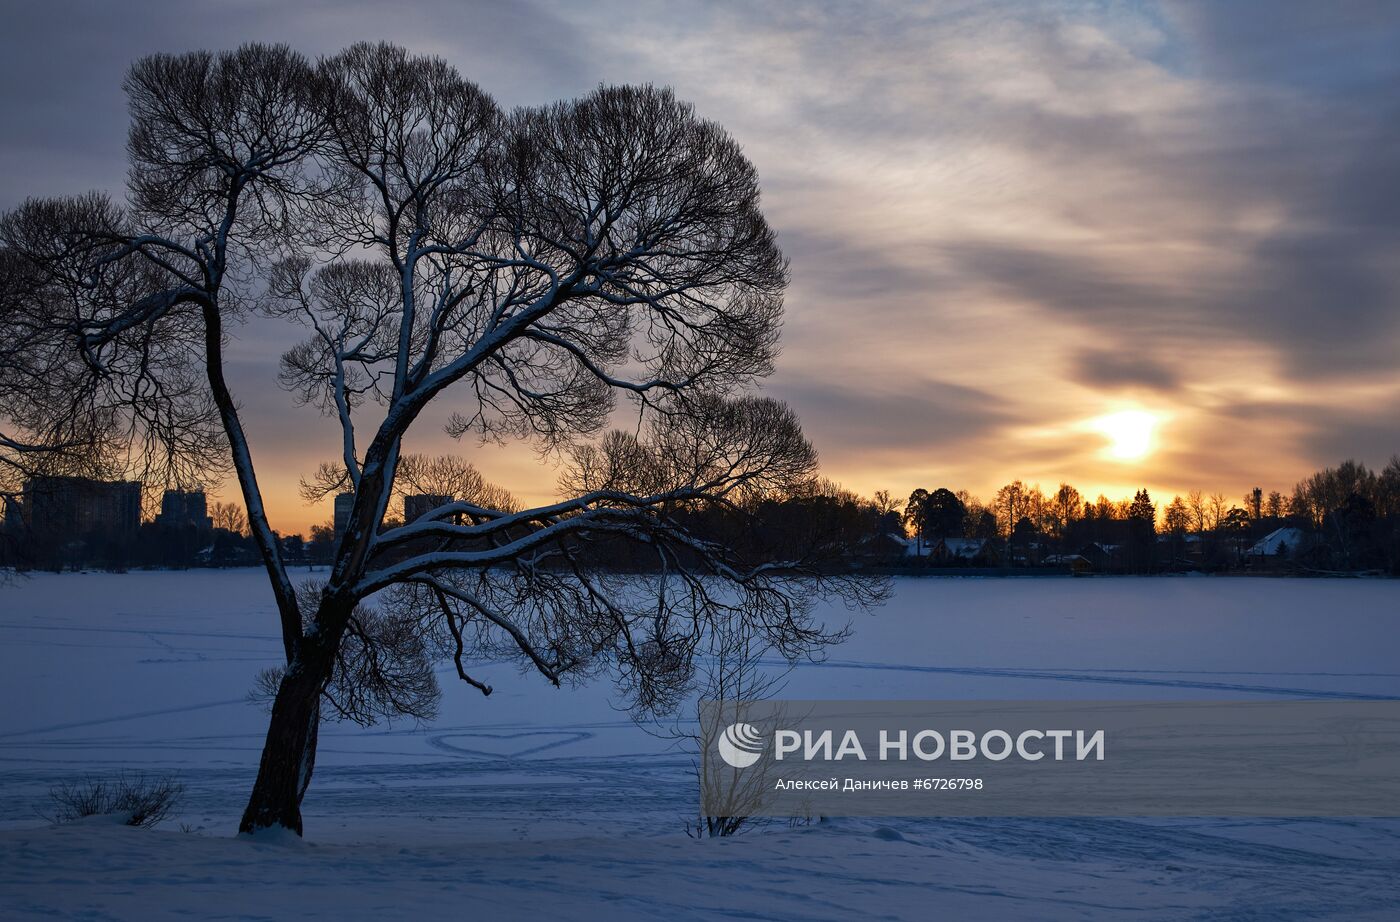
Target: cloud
x,y
1108,370
1294,42
61,68
1329,431
890,418
1003,219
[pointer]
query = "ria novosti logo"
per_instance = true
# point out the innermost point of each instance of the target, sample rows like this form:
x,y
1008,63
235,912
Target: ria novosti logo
x,y
741,745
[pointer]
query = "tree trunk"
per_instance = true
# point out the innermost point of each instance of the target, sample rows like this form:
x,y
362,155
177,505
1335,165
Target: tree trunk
x,y
289,753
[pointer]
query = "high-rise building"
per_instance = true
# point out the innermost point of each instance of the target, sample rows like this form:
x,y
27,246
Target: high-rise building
x,y
417,505
185,507
344,503
72,507
13,523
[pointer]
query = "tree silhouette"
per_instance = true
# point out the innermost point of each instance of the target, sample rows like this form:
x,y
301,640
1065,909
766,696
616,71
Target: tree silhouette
x,y
229,517
944,514
1013,502
1065,507
534,265
914,514
1142,532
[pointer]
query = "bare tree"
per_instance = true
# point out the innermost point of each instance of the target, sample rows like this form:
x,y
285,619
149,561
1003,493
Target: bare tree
x,y
1217,506
533,264
1014,502
733,676
885,504
229,517
1063,508
1177,517
129,404
434,475
1201,521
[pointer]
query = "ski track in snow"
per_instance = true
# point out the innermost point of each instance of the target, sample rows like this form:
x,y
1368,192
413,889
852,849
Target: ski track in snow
x,y
538,801
1100,678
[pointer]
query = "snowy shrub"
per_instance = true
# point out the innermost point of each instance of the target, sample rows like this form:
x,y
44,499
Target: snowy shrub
x,y
714,827
138,799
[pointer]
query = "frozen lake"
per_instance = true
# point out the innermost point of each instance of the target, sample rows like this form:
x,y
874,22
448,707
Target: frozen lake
x,y
150,671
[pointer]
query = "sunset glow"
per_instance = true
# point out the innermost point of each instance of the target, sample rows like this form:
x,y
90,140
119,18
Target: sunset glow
x,y
1065,257
1130,434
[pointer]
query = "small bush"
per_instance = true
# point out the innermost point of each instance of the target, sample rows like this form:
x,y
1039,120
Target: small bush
x,y
716,827
141,800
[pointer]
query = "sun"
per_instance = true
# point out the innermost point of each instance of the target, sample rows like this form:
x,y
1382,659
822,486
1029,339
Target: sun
x,y
1130,433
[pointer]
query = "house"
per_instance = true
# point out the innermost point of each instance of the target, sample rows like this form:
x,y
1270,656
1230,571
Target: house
x,y
914,547
1281,542
886,547
958,549
1180,551
1077,564
1102,556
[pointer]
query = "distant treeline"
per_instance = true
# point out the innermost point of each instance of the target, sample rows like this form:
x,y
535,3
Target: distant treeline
x,y
153,545
1345,518
1338,520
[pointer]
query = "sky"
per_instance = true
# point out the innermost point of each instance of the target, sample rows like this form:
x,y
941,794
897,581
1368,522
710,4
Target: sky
x,y
1121,245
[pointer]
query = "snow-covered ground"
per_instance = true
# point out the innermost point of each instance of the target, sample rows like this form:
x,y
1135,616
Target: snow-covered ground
x,y
539,800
